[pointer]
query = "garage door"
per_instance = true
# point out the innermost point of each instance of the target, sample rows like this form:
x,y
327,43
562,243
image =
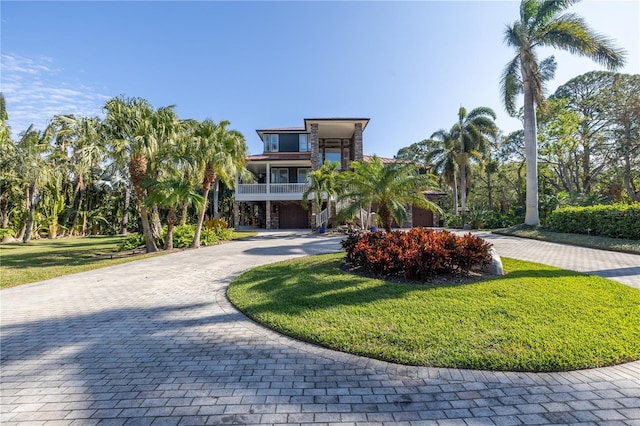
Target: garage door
x,y
293,216
422,217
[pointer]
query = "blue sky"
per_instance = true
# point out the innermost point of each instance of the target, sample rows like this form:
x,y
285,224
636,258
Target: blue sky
x,y
408,66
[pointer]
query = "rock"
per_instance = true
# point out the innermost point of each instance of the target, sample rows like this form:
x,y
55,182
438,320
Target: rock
x,y
466,227
496,263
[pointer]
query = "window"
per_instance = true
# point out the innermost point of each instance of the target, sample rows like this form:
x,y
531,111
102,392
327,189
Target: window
x,y
303,142
271,143
333,156
279,175
302,175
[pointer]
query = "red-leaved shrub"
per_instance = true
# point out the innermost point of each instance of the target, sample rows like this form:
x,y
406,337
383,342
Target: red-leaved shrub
x,y
418,253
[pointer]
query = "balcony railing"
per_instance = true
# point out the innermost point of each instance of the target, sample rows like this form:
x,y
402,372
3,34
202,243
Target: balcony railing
x,y
272,188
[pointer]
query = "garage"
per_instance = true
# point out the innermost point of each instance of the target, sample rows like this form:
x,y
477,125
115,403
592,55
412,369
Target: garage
x,y
422,217
293,216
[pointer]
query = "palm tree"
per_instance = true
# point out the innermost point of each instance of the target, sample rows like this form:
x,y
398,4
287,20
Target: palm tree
x,y
392,186
129,125
33,170
472,131
220,153
542,24
81,137
323,181
445,160
171,193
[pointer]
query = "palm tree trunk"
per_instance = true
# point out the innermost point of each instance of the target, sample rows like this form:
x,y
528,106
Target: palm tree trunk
x,y
196,235
124,222
531,148
156,225
454,194
185,214
74,221
490,190
216,195
385,216
463,188
35,195
171,220
150,242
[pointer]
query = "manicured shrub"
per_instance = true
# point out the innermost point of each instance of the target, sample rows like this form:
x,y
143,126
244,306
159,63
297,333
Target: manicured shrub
x,y
418,253
617,221
131,242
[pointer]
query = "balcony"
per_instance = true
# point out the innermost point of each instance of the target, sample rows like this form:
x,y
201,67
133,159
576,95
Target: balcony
x,y
272,191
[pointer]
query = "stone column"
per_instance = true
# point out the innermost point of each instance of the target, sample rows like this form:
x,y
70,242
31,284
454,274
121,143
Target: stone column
x,y
357,142
267,214
315,147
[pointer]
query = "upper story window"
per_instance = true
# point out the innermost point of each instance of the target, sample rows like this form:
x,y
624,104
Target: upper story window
x,y
333,155
303,143
271,142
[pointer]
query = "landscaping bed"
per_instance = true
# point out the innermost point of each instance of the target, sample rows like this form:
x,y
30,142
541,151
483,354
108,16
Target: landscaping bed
x,y
535,318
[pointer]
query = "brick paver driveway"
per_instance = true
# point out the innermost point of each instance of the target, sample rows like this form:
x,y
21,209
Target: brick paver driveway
x,y
156,342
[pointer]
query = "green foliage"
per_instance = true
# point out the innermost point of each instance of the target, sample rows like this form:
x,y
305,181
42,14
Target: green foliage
x,y
617,221
131,242
418,253
6,232
535,318
183,235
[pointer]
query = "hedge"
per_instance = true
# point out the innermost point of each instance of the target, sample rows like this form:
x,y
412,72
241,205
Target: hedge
x,y
616,221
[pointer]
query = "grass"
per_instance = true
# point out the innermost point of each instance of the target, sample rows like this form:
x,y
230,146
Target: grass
x,y
591,241
44,259
535,318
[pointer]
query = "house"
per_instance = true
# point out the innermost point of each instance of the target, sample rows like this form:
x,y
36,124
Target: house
x,y
274,199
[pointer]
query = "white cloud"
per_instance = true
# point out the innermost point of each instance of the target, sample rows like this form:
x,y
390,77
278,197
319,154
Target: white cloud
x,y
35,90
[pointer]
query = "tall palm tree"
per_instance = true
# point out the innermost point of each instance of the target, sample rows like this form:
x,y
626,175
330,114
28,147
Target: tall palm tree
x,y
445,161
81,138
129,126
220,153
542,24
323,181
472,132
171,193
392,186
32,166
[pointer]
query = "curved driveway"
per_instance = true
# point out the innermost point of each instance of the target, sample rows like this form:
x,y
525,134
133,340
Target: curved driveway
x,y
156,342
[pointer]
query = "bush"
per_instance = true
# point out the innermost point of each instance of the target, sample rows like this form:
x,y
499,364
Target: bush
x,y
131,242
418,253
617,221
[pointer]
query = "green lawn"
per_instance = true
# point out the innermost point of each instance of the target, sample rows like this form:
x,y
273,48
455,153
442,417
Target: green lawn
x,y
535,318
43,259
591,241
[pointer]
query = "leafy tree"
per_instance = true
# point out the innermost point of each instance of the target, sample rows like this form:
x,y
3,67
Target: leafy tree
x,y
128,124
392,186
32,148
220,153
322,182
541,24
444,159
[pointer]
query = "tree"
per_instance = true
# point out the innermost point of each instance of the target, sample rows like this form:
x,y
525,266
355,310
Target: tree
x,y
322,182
171,193
542,24
220,153
128,124
392,186
624,110
445,161
32,168
472,131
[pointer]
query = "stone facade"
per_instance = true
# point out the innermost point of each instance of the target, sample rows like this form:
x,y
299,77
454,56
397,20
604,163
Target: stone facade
x,y
315,147
357,142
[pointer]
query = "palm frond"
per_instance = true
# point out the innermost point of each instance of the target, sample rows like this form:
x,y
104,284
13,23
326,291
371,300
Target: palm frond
x,y
571,33
511,85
